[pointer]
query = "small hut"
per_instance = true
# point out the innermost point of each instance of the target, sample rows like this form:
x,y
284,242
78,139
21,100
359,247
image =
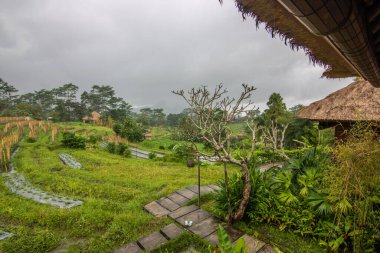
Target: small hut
x,y
358,102
94,118
148,136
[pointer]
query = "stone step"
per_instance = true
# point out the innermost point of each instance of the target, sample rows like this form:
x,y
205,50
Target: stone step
x,y
177,198
266,249
182,211
205,227
129,248
252,244
171,231
195,216
187,193
204,189
156,209
168,204
152,241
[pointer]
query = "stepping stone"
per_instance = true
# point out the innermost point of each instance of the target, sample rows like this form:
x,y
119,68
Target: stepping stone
x,y
5,235
171,231
252,244
168,204
213,239
215,187
177,198
193,188
195,216
182,211
129,248
156,209
205,227
267,249
233,233
152,241
187,193
204,189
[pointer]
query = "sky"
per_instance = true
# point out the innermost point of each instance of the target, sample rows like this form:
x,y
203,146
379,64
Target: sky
x,y
146,49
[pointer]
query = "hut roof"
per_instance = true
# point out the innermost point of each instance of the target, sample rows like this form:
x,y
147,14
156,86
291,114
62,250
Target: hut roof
x,y
359,101
309,25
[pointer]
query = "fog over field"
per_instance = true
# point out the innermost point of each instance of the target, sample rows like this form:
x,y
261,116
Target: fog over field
x,y
145,49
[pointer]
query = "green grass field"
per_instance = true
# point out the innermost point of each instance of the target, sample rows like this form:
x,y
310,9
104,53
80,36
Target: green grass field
x,y
114,190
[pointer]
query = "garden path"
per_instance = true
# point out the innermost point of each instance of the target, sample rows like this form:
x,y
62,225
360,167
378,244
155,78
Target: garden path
x,y
203,223
19,185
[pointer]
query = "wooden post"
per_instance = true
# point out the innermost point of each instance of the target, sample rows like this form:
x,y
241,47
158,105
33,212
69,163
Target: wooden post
x,y
227,191
199,182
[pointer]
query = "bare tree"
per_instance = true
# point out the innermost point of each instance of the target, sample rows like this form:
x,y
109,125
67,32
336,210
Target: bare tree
x,y
211,114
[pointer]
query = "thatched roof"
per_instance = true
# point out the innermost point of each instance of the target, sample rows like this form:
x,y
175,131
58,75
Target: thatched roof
x,y
321,50
359,101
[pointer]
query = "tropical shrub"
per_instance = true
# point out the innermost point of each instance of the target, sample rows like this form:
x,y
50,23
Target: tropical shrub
x,y
71,140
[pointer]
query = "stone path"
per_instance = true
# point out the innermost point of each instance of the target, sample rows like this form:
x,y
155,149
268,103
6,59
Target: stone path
x,y
203,223
266,167
4,235
19,185
70,161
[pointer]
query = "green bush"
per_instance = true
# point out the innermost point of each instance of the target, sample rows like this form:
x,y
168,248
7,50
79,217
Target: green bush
x,y
70,140
31,140
152,155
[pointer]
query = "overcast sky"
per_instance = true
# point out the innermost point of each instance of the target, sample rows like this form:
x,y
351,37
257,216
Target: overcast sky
x,y
145,49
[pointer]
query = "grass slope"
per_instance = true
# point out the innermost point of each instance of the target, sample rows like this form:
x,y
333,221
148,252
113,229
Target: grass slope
x,y
114,190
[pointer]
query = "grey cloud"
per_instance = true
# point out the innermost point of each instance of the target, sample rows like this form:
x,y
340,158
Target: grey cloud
x,y
145,49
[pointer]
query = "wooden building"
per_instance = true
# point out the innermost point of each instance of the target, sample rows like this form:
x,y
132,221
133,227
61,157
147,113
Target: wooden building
x,y
94,118
358,102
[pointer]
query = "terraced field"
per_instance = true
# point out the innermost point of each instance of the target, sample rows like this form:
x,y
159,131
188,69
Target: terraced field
x,y
114,190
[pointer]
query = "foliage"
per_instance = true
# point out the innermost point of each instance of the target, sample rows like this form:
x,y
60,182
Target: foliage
x,y
226,246
113,188
151,117
71,140
353,183
129,129
274,121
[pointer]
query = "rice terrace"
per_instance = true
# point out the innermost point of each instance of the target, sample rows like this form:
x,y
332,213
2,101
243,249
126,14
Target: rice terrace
x,y
118,136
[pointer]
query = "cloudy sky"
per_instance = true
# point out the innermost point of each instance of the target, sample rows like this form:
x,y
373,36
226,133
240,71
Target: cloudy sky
x,y
145,49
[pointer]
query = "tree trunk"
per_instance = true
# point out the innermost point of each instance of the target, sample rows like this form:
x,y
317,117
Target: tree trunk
x,y
246,195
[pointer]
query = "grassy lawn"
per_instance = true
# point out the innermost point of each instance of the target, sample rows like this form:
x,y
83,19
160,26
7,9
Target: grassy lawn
x,y
114,190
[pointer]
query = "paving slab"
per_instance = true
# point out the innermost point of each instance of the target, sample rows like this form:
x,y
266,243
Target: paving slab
x,y
204,189
267,249
168,204
182,211
171,231
177,198
213,238
156,209
195,216
205,227
215,187
187,193
152,241
129,248
252,244
233,233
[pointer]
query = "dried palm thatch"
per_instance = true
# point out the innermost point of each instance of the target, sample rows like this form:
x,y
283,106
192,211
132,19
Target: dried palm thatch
x,y
279,22
359,101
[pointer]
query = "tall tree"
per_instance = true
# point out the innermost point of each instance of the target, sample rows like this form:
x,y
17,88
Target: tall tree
x,y
102,99
211,114
274,122
7,96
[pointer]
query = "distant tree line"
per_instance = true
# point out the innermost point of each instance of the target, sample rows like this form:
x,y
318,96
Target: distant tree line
x,y
63,103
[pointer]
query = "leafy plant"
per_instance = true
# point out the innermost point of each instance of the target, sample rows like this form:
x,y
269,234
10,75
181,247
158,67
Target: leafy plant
x,y
71,140
226,246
